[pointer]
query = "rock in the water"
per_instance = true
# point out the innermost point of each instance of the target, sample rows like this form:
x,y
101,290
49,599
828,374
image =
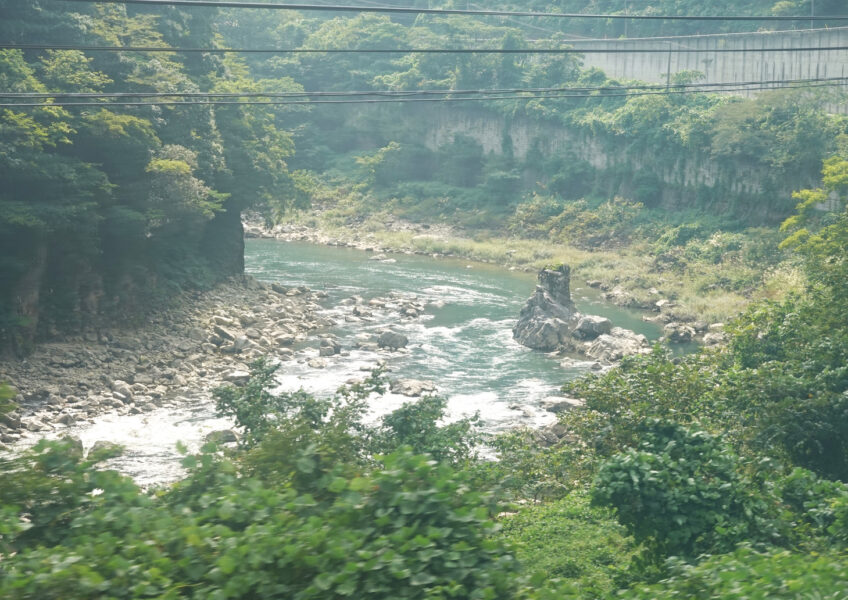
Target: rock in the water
x,y
714,339
317,363
590,326
392,340
75,447
617,344
544,321
412,387
237,377
10,420
222,436
678,333
105,449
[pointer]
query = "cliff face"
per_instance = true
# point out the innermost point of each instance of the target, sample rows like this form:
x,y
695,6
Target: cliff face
x,y
57,290
688,179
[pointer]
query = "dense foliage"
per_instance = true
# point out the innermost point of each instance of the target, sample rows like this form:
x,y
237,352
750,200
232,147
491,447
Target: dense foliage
x,y
722,474
711,476
104,209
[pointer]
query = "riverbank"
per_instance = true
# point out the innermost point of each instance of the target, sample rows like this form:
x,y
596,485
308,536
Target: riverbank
x,y
629,276
204,340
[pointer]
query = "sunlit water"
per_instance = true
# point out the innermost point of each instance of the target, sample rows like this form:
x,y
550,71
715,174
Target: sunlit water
x,y
462,343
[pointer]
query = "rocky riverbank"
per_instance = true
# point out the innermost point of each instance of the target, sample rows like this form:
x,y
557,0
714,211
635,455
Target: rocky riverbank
x,y
206,339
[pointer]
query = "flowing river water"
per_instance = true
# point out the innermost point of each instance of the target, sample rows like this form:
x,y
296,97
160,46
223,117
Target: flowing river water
x,y
462,343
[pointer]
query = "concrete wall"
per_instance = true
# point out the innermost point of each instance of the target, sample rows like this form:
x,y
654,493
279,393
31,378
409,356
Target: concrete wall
x,y
753,64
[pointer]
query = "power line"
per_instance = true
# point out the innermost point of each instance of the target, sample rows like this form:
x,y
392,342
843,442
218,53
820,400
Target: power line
x,y
479,13
412,50
402,100
697,87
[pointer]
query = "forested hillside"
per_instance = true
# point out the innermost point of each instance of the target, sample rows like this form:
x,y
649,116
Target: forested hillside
x,y
107,209
721,473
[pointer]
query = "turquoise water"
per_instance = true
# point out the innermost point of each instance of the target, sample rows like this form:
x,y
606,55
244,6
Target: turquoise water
x,y
463,342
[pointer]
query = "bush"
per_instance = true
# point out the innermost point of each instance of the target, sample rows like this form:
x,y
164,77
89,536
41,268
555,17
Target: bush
x,y
753,575
411,529
682,494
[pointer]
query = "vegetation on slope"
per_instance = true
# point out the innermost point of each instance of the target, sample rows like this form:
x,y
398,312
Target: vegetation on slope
x,y
105,209
720,474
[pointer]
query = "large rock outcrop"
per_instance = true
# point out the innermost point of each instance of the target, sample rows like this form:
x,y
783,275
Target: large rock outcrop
x,y
547,318
549,322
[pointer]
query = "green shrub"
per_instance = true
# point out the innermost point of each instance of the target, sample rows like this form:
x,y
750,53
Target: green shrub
x,y
682,494
411,529
753,575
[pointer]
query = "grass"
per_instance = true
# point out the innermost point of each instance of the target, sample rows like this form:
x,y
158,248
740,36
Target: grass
x,y
569,539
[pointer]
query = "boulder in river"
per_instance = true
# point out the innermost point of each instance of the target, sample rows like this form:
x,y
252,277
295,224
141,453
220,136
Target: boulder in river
x,y
617,344
590,326
678,333
392,340
222,436
102,450
545,320
237,377
412,387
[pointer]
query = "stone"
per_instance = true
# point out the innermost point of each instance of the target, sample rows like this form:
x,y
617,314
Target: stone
x,y
544,320
392,340
223,333
332,344
10,420
65,419
678,333
284,339
123,388
664,304
326,351
240,343
558,405
75,445
317,363
104,447
237,377
617,344
714,339
412,387
222,436
590,326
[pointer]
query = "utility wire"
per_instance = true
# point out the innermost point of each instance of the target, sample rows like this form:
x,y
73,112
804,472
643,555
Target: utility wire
x,y
697,87
413,50
664,92
478,13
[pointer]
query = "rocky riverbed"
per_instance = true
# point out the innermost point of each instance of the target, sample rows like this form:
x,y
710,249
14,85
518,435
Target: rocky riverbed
x,y
204,341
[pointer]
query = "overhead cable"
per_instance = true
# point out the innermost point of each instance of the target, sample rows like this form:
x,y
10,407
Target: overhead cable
x,y
205,102
427,92
413,50
447,11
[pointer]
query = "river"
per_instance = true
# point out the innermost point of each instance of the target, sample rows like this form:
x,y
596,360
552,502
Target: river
x,y
462,342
